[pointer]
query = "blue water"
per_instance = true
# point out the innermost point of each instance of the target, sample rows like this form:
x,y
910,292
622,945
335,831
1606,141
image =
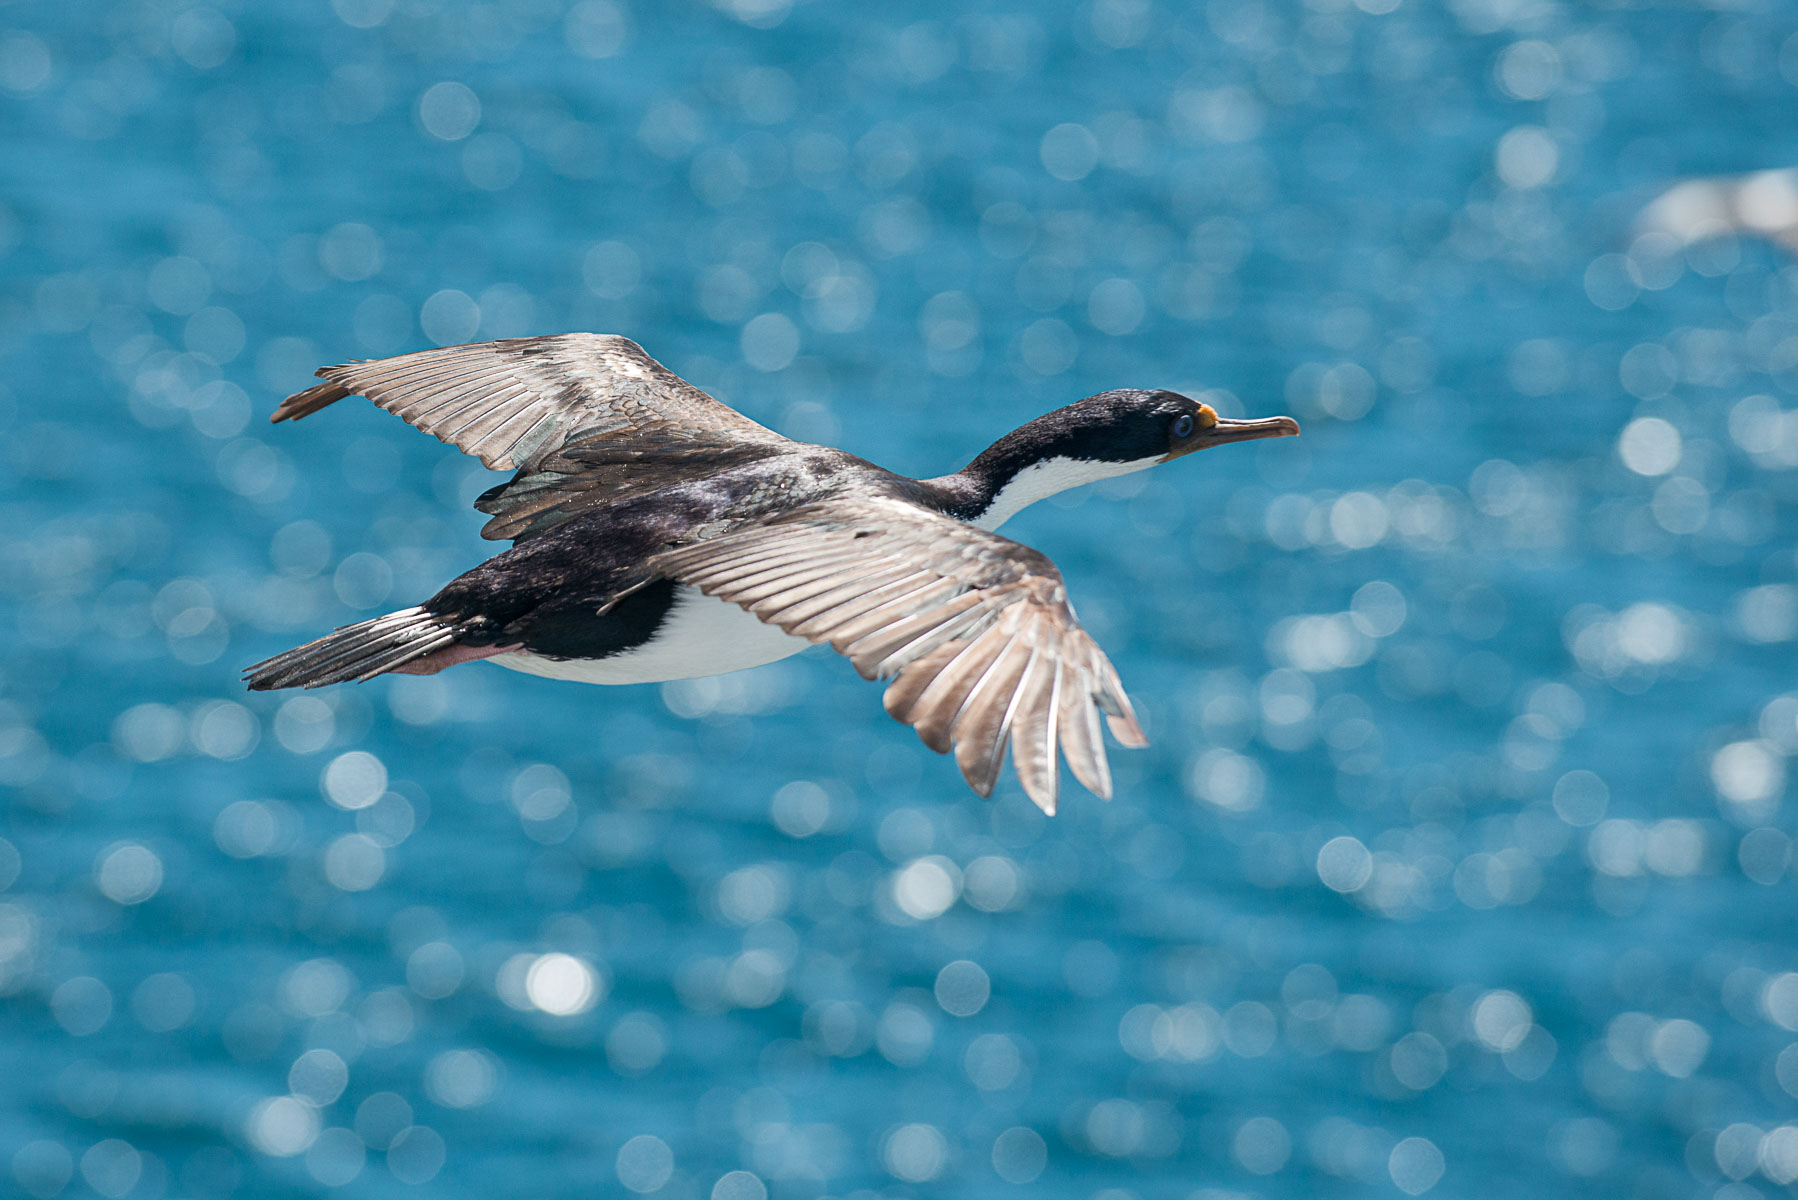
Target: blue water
x,y
1460,863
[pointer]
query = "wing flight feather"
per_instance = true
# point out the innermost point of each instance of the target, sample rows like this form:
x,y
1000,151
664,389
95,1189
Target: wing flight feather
x,y
972,631
514,403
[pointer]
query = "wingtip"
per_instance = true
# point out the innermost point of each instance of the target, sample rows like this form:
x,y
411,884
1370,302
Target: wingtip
x,y
1124,728
305,403
1042,786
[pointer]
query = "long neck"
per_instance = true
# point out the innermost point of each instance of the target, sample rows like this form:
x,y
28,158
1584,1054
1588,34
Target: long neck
x,y
1024,466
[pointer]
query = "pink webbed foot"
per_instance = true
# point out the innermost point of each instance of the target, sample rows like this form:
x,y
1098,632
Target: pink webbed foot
x,y
430,664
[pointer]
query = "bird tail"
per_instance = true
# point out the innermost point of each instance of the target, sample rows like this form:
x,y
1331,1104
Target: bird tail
x,y
360,651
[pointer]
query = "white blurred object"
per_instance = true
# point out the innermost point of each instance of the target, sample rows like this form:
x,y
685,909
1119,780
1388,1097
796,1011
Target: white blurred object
x,y
1762,204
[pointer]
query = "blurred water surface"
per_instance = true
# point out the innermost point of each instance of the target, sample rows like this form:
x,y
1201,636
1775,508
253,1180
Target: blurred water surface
x,y
1460,864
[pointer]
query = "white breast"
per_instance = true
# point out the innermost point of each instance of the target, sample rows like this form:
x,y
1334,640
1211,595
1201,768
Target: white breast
x,y
700,636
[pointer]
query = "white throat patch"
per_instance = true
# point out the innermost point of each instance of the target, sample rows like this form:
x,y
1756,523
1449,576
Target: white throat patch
x,y
1041,480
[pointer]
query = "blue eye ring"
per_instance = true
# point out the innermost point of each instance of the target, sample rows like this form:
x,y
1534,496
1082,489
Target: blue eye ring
x,y
1183,426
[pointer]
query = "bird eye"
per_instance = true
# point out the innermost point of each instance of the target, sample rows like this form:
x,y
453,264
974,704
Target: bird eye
x,y
1183,426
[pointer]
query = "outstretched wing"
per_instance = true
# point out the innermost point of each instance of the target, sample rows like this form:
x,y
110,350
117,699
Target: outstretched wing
x,y
973,629
513,404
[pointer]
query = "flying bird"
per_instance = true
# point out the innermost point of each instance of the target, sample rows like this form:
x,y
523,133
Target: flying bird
x,y
658,534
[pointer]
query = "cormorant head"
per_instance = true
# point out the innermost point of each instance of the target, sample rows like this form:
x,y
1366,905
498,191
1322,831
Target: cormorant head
x,y
1100,437
1148,426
